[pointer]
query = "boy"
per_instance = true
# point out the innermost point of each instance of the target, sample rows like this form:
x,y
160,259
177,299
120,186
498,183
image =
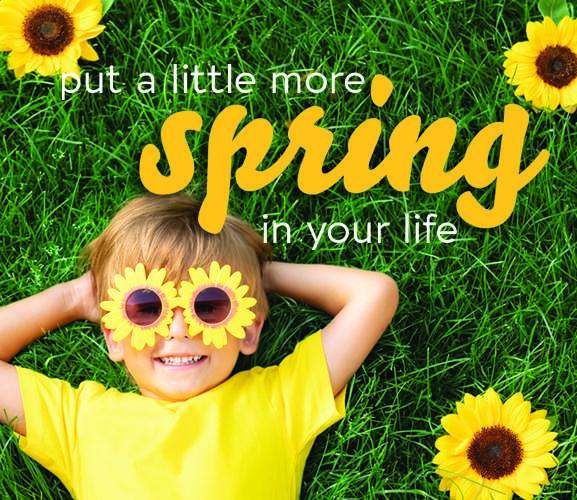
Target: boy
x,y
179,306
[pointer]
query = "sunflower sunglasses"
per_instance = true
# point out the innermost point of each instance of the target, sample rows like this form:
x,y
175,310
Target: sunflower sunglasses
x,y
142,305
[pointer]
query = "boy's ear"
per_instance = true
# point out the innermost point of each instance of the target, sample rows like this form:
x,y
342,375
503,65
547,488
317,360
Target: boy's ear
x,y
249,344
115,349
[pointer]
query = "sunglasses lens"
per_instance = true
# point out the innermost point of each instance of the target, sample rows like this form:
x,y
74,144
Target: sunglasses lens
x,y
212,305
143,307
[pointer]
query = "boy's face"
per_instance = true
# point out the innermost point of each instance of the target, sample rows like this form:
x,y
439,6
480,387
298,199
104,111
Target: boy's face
x,y
179,367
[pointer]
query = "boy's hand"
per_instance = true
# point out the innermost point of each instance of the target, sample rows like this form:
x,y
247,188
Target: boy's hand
x,y
82,293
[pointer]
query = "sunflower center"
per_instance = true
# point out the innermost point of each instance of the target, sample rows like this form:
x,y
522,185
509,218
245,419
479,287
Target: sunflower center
x,y
48,30
557,66
495,452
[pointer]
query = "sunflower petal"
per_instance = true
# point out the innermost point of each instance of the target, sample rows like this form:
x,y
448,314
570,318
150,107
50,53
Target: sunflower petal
x,y
87,20
244,317
247,302
156,276
121,332
566,30
138,339
234,280
236,330
91,33
224,274
544,460
214,271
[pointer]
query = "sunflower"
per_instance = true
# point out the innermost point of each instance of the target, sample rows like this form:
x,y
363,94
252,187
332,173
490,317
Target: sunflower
x,y
121,318
545,67
48,36
493,449
221,282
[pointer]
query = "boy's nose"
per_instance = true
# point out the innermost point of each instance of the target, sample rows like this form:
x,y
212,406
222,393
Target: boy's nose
x,y
178,327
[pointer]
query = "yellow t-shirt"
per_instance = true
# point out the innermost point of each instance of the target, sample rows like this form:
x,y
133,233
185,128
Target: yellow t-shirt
x,y
247,438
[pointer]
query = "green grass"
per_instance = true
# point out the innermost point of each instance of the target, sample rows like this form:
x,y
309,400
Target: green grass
x,y
497,308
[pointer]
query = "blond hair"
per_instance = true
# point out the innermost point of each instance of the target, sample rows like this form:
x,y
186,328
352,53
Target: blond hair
x,y
163,231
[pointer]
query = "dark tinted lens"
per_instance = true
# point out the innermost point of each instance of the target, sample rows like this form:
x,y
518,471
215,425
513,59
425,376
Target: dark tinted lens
x,y
212,305
143,307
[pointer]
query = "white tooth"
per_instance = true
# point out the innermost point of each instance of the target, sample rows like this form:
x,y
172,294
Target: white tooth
x,y
181,360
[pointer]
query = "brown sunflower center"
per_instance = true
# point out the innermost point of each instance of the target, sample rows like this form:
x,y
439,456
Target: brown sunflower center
x,y
495,452
557,66
48,30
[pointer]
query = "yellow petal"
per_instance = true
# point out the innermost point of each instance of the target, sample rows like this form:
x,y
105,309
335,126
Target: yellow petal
x,y
536,452
207,336
156,276
247,302
139,274
70,5
121,283
516,413
4,45
195,328
115,295
244,317
234,280
17,59
529,474
453,425
214,272
11,18
94,5
86,20
236,330
489,408
551,98
550,32
109,305
545,460
162,329
49,66
567,98
198,276
121,332
150,337
534,91
520,72
535,35
536,429
522,52
219,338
566,30
224,274
138,339
34,62
169,291
90,33
113,319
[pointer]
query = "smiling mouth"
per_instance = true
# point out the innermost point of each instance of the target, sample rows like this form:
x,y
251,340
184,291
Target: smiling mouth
x,y
180,360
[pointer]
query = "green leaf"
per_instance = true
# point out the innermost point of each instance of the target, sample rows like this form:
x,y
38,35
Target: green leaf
x,y
552,422
555,9
106,4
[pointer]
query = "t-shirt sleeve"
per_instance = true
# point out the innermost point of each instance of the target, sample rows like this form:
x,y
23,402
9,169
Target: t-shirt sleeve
x,y
308,400
51,407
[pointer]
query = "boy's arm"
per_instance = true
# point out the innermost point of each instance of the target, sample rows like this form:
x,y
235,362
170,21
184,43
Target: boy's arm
x,y
362,303
26,320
